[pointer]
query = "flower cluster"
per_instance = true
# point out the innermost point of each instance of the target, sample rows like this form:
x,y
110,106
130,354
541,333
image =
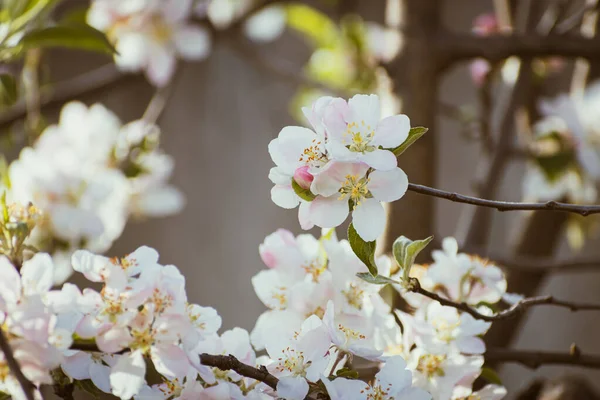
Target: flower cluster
x,y
88,174
345,163
149,35
443,346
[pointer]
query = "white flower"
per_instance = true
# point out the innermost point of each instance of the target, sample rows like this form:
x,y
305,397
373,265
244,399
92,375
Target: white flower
x,y
82,365
341,183
393,382
356,132
150,35
488,392
298,359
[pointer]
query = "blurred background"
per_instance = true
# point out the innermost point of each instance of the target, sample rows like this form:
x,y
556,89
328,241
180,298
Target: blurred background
x,y
223,111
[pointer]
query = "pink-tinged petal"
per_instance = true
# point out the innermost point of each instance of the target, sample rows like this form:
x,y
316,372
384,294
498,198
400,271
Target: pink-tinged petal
x,y
328,212
284,196
392,131
192,42
383,160
100,376
78,365
292,388
113,340
304,215
37,274
127,376
470,345
170,361
316,112
388,185
328,182
345,389
368,219
365,108
161,65
10,284
335,118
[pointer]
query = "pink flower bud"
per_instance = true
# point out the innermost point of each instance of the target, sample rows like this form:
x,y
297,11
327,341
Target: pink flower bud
x,y
485,25
479,69
303,178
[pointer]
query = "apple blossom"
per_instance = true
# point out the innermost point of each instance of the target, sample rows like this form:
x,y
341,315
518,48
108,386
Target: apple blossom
x,y
149,35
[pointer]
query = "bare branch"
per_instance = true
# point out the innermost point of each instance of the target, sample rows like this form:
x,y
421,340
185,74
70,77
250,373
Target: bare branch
x,y
505,205
14,367
515,309
535,359
223,362
456,47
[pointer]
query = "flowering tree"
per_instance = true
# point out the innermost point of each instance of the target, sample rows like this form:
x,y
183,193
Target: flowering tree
x,y
349,315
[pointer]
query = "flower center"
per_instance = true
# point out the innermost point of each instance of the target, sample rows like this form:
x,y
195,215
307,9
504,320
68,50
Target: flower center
x,y
142,340
431,365
291,361
315,269
360,136
350,334
378,393
314,155
444,329
280,296
354,296
355,188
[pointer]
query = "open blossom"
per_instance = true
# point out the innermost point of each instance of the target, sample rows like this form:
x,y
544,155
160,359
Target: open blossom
x,y
300,358
149,35
344,182
344,163
392,382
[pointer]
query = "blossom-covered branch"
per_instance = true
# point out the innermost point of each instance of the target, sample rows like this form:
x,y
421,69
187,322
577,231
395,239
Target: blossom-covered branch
x,y
26,386
505,205
535,359
510,312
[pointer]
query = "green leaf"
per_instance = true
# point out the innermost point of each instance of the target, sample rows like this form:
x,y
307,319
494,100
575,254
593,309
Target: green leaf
x,y
376,280
313,24
406,251
414,134
8,90
490,375
347,373
365,251
79,36
26,11
76,15
304,194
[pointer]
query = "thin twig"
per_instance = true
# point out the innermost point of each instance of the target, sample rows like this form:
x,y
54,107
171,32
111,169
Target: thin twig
x,y
515,309
223,362
15,369
505,205
535,359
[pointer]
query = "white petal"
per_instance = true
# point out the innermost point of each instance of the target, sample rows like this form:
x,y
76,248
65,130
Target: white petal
x,y
78,365
127,376
266,25
470,345
100,376
388,185
392,131
132,51
492,392
161,65
365,108
378,159
170,361
304,215
284,196
292,388
10,284
192,42
37,274
368,219
328,182
328,212
345,389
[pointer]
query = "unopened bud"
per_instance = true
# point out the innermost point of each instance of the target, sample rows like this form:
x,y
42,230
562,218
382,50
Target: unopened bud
x,y
303,178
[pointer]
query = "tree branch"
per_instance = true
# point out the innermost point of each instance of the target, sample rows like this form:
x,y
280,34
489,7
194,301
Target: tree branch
x,y
535,359
515,309
542,264
505,205
223,362
456,47
15,369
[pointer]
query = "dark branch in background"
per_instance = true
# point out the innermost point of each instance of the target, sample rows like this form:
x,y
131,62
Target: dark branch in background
x,y
535,359
505,205
223,362
69,89
15,369
510,312
538,264
454,47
